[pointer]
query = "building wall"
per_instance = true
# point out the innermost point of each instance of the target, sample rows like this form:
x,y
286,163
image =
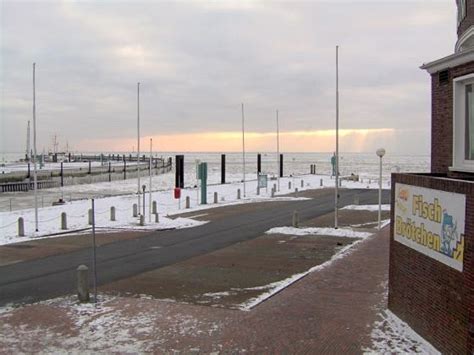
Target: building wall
x,y
468,21
442,118
436,300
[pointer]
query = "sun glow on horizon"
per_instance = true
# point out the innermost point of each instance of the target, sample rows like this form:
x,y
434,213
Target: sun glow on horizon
x,y
356,140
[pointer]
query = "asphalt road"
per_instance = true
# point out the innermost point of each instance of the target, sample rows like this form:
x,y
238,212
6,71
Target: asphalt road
x,y
54,276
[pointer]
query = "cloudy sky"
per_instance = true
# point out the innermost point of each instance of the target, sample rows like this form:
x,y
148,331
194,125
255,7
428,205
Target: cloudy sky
x,y
197,61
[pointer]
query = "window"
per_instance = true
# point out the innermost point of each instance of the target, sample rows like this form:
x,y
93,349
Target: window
x,y
463,124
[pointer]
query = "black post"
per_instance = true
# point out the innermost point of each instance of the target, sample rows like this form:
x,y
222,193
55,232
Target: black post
x,y
110,177
69,157
179,171
89,167
281,165
62,174
222,168
259,163
29,171
124,168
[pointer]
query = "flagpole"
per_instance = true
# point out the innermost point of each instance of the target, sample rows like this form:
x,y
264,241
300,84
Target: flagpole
x,y
138,146
336,197
243,144
151,166
35,177
278,151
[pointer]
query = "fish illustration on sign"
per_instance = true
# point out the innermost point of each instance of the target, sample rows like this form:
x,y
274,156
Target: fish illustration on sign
x,y
448,234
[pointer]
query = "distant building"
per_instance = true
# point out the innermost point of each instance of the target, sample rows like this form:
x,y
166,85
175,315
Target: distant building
x,y
431,283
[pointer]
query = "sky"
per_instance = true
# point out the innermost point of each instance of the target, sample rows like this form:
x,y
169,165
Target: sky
x,y
198,61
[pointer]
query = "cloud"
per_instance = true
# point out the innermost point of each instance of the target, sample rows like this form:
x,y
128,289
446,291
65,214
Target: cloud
x,y
197,61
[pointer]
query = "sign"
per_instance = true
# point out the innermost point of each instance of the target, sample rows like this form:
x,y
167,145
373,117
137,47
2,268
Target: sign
x,y
431,222
177,192
262,180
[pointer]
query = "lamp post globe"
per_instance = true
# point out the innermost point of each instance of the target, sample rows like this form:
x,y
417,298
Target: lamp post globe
x,y
380,152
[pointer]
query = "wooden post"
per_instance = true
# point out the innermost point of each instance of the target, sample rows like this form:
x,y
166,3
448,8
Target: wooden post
x,y
90,217
63,221
83,283
21,227
295,219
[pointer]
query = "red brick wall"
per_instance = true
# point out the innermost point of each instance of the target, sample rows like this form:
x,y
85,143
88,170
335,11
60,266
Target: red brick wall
x,y
436,300
442,118
469,19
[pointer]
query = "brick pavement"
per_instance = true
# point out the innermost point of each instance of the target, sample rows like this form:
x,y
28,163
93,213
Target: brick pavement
x,y
328,311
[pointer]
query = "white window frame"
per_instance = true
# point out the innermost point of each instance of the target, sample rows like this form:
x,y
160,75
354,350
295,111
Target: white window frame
x,y
460,163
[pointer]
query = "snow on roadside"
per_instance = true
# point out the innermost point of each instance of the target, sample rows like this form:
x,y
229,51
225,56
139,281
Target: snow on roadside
x,y
391,335
366,207
340,232
49,217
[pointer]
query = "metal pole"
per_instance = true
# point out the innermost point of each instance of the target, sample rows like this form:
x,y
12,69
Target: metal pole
x,y
380,194
138,145
94,255
149,202
336,197
278,152
243,144
35,177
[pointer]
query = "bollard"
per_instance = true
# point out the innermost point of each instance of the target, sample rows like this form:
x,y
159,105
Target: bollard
x,y
112,213
296,190
153,207
135,210
142,219
302,183
63,221
274,187
321,182
157,219
340,183
238,194
216,199
188,202
295,219
289,185
89,213
356,199
21,227
273,192
83,283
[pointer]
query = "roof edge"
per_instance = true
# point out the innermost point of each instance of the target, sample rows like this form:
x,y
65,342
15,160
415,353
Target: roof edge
x,y
450,61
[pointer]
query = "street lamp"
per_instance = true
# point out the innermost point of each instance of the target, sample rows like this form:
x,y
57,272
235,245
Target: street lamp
x,y
380,153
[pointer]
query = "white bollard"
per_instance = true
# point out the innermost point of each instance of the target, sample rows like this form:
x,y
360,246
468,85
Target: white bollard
x,y
21,227
321,182
142,220
188,202
112,213
135,210
89,213
295,219
216,199
157,219
289,185
63,221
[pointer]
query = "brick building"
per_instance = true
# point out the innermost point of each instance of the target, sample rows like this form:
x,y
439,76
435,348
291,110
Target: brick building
x,y
431,282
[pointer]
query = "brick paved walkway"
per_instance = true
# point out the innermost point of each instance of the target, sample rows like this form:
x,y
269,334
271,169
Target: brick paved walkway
x,y
328,311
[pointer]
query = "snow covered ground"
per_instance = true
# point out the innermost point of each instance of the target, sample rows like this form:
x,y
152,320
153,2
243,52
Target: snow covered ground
x,y
391,335
77,211
340,232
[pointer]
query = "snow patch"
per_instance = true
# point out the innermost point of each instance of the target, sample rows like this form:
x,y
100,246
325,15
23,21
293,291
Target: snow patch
x,y
340,232
366,207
